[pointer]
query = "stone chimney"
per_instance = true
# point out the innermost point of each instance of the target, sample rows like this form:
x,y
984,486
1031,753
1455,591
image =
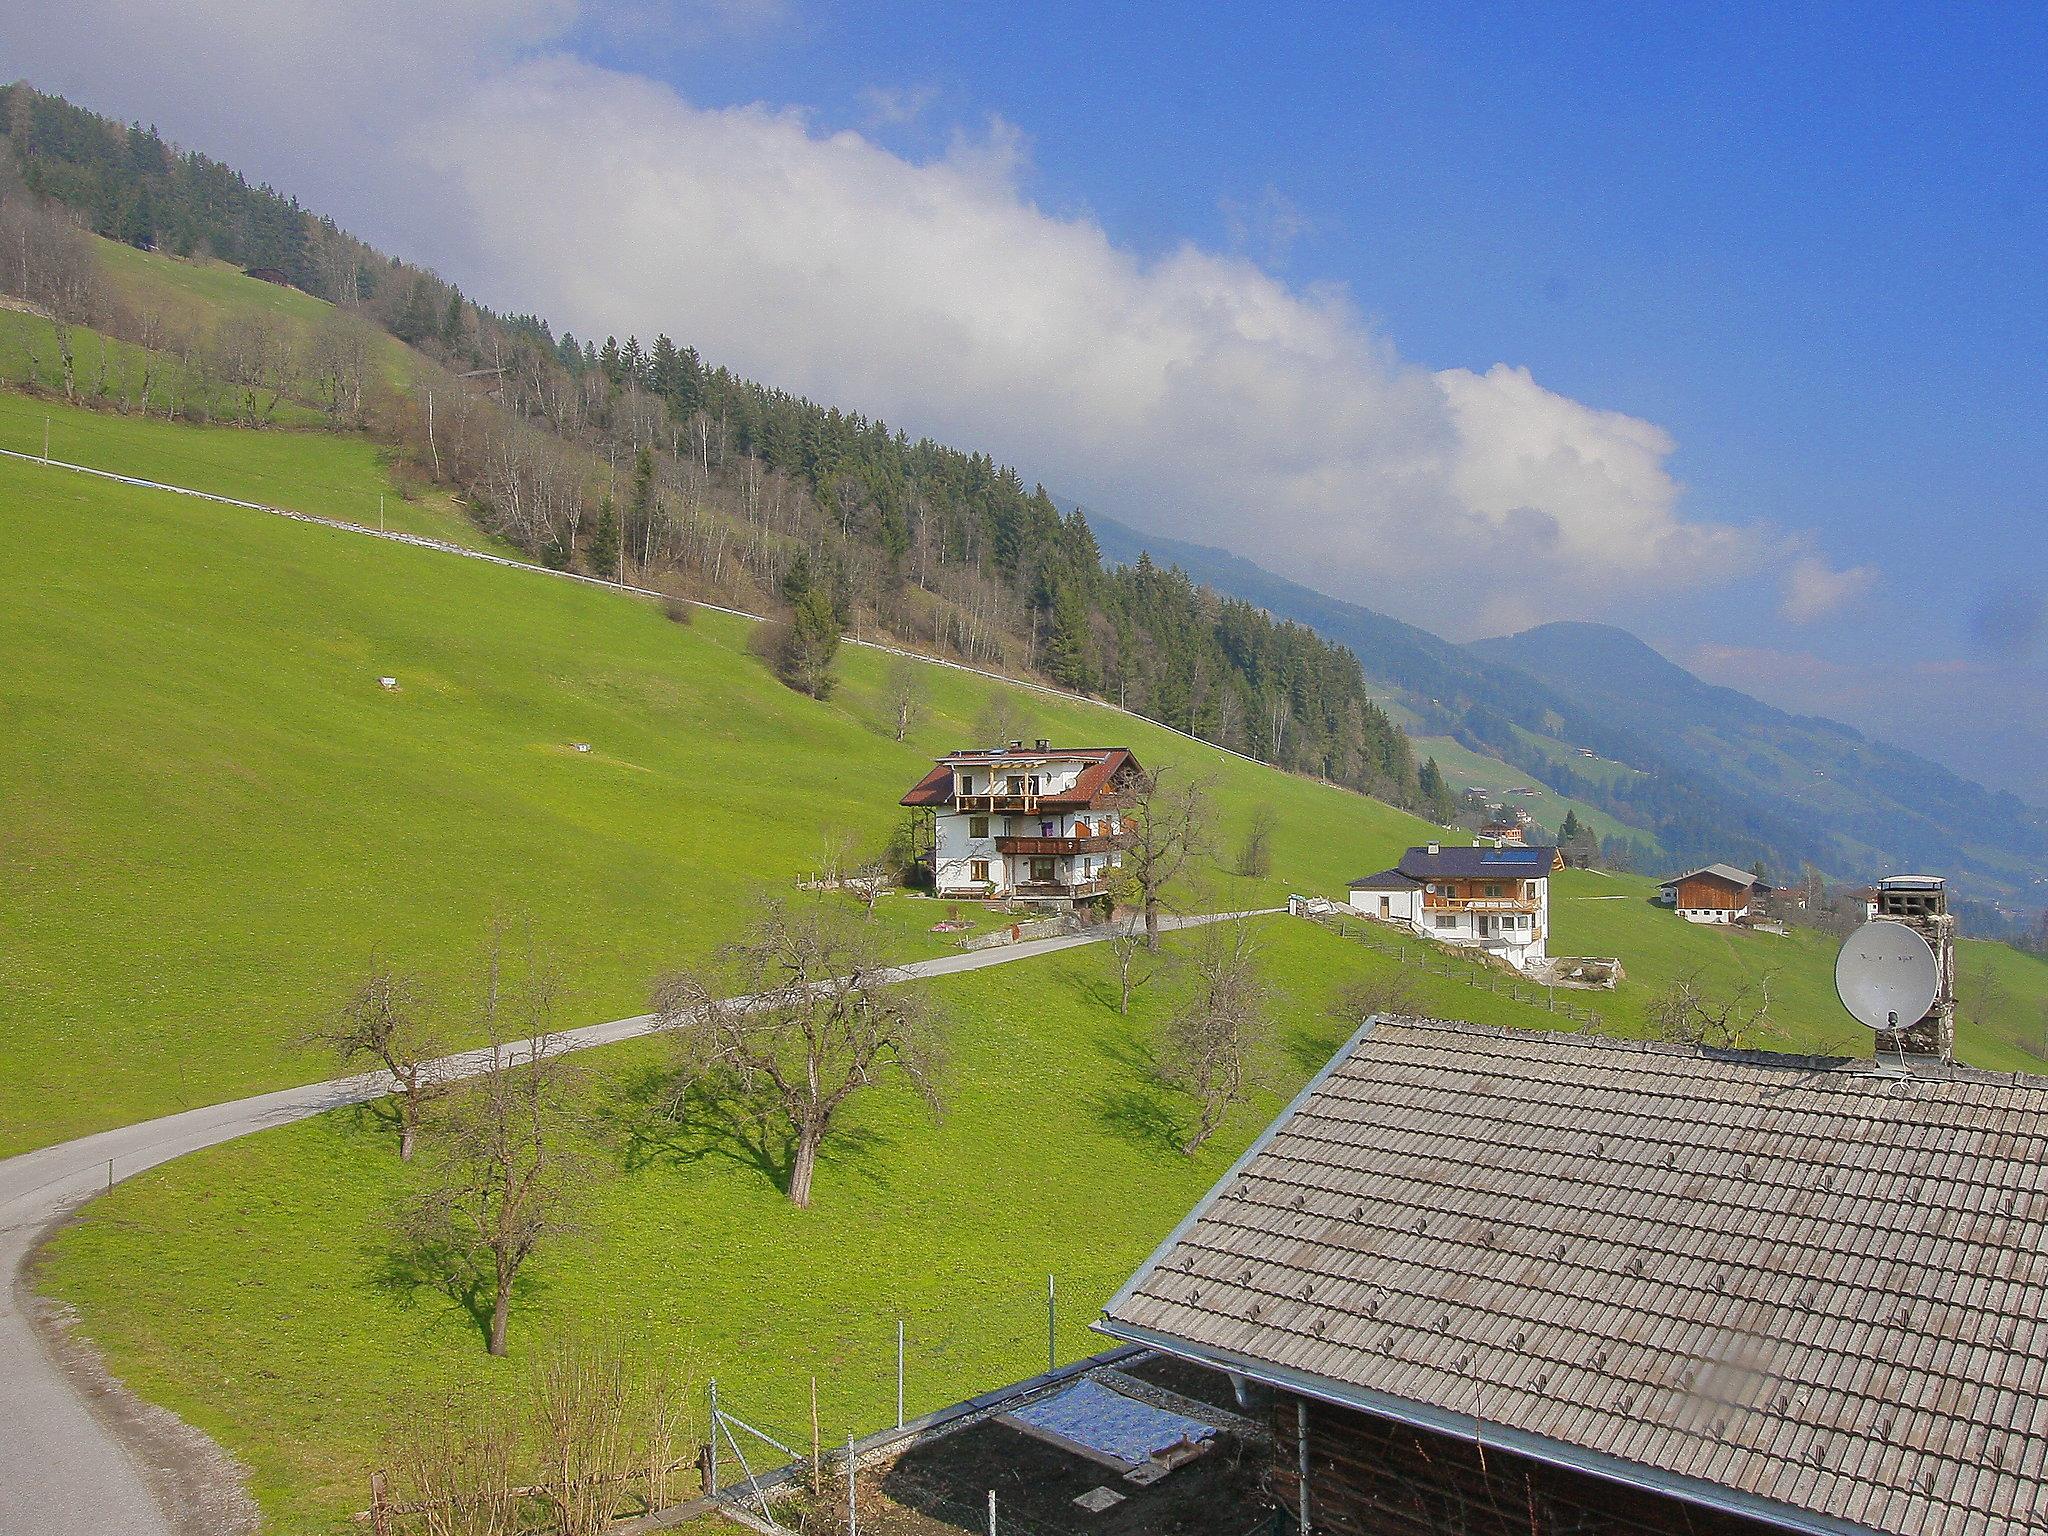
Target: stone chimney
x,y
1920,902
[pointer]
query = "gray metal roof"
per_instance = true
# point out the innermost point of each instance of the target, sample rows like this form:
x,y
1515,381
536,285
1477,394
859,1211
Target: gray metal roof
x,y
1793,1286
1728,872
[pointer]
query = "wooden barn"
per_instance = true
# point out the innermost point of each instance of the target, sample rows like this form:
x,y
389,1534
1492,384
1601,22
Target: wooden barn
x,y
1494,1282
1715,893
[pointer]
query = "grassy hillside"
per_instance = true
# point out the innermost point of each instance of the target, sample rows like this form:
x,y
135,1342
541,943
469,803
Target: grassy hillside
x,y
217,815
223,813
249,1287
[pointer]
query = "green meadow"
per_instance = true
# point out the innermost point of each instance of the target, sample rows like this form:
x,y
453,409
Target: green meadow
x,y
216,816
250,1287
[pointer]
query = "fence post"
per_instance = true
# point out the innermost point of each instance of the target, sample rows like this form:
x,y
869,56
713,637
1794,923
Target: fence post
x,y
899,1373
991,1512
713,1489
852,1513
1052,1351
380,1521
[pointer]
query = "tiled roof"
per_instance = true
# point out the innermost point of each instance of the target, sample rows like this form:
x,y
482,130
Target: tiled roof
x,y
1815,1284
935,789
1477,863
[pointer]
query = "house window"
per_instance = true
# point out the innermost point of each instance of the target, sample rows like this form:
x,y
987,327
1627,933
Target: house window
x,y
977,826
977,869
1016,783
1033,788
1493,890
1447,922
1042,872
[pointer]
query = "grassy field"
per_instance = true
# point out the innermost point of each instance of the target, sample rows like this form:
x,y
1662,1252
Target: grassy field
x,y
331,474
248,1287
216,815
224,814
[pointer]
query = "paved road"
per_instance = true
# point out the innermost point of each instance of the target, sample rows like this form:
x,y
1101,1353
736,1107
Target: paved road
x,y
62,1471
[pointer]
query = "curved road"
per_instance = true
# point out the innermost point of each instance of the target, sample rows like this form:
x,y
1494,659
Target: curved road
x,y
65,1473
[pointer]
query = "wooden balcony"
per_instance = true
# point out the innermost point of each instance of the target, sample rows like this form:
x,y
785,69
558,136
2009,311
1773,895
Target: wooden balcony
x,y
1000,804
1078,891
1054,847
1476,904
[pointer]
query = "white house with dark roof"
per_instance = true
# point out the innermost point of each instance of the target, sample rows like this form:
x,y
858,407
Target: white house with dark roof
x,y
1494,899
1032,823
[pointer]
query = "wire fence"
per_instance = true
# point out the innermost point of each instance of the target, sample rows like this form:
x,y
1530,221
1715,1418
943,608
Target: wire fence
x,y
1453,964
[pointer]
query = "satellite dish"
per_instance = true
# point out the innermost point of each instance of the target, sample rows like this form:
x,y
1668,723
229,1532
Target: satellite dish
x,y
1886,976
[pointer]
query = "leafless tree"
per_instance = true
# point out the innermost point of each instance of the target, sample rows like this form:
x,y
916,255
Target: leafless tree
x,y
1210,1039
253,352
385,1020
1362,997
338,361
1000,719
907,692
1255,857
507,1178
1126,946
799,1019
1686,1013
1162,829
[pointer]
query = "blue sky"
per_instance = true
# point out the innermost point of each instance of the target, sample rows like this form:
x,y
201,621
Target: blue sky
x,y
1724,323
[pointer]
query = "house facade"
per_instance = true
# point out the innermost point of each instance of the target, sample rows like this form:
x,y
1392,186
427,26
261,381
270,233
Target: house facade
x,y
1493,899
1718,893
1027,822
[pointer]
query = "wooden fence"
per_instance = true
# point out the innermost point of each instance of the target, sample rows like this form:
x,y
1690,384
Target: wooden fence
x,y
1454,964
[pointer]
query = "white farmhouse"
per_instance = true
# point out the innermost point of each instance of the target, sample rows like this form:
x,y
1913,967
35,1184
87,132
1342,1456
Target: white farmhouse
x,y
1494,899
1032,823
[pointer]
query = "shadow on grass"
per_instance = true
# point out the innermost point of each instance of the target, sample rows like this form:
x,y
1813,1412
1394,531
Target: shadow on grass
x,y
653,1123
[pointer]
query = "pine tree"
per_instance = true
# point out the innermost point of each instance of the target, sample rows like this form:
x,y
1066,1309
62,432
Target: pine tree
x,y
1069,654
452,327
810,645
601,554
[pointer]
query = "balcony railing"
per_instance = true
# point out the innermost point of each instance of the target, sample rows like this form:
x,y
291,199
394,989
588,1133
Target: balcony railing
x,y
1477,904
1055,847
997,803
1077,889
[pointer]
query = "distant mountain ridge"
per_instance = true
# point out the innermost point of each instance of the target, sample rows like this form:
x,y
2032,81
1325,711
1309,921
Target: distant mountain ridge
x,y
1721,775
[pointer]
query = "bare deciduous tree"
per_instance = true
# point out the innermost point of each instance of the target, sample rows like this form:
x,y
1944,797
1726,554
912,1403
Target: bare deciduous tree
x,y
385,1020
1162,829
1209,1040
1255,857
906,695
1687,1014
338,361
1362,997
818,1024
507,1178
1126,944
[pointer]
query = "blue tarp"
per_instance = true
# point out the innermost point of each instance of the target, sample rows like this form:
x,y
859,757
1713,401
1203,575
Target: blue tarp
x,y
1092,1415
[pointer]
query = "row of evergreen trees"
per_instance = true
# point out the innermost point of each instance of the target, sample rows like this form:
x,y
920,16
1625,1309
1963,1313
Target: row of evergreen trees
x,y
880,501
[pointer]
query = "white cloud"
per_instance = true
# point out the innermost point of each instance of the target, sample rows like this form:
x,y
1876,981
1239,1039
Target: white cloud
x,y
1193,392
1814,590
892,106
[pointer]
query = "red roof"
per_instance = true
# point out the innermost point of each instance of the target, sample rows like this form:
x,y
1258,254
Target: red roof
x,y
935,789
